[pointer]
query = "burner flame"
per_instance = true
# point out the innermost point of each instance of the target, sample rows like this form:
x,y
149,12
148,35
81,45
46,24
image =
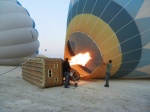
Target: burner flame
x,y
80,59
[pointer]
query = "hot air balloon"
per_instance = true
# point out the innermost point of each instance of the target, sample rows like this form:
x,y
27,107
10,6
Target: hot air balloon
x,y
18,36
117,30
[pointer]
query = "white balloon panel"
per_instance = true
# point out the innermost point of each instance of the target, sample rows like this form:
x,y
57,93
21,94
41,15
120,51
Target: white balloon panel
x,y
17,51
10,7
9,1
14,21
18,36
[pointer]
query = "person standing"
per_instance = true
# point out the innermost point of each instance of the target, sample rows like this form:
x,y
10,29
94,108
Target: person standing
x,y
66,72
108,68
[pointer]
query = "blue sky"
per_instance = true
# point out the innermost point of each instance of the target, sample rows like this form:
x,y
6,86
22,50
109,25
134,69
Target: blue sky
x,y
50,17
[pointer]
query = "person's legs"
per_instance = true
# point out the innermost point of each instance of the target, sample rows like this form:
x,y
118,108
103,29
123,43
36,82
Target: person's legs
x,y
66,79
107,80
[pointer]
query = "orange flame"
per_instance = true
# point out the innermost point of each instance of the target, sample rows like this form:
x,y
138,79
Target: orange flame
x,y
80,59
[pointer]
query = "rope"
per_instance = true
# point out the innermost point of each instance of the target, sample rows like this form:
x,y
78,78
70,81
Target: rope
x,y
14,68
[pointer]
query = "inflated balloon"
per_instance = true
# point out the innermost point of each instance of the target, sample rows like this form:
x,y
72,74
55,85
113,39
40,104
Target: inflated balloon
x,y
117,30
18,36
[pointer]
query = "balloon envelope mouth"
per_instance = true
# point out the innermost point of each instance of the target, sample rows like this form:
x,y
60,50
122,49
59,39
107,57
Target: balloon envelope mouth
x,y
80,42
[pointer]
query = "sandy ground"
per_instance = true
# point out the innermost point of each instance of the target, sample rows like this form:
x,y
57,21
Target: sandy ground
x,y
18,95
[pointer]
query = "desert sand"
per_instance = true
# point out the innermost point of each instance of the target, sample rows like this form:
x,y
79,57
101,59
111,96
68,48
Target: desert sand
x,y
123,95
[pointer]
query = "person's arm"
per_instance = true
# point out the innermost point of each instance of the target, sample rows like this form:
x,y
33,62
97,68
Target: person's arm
x,y
105,63
69,67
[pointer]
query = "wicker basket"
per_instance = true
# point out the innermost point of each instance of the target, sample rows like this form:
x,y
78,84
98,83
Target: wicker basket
x,y
43,72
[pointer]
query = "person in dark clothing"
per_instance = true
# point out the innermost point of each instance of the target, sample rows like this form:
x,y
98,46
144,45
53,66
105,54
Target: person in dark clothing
x,y
109,65
66,71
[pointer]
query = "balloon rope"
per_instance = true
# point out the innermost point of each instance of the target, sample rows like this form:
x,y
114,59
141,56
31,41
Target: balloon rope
x,y
128,51
113,19
121,29
71,17
100,16
95,22
132,61
75,19
15,67
86,40
127,40
74,22
76,14
90,14
79,20
88,20
9,70
82,13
